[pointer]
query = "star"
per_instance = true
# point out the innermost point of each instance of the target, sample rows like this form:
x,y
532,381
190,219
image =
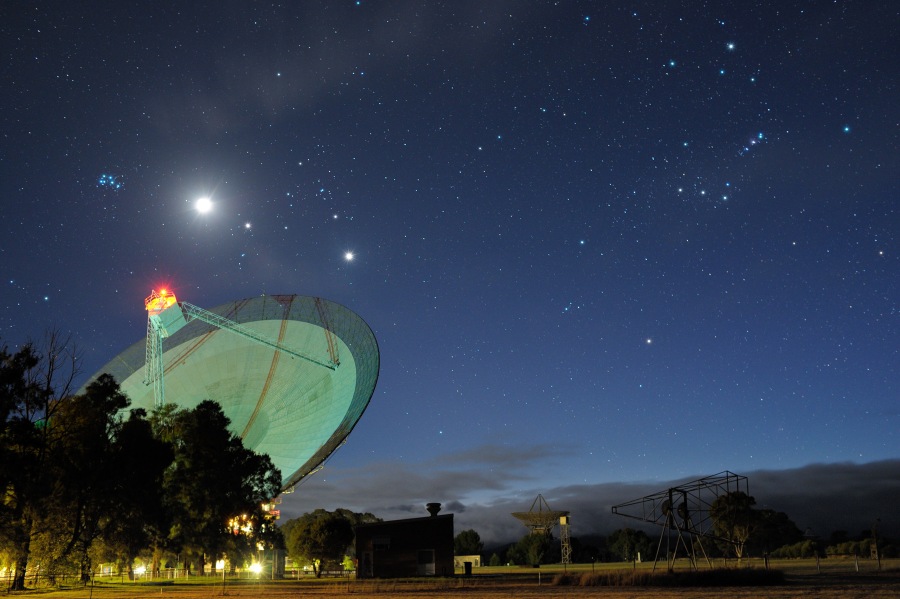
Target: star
x,y
349,256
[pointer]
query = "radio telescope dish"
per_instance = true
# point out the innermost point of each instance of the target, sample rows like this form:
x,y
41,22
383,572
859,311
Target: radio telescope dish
x,y
542,519
296,405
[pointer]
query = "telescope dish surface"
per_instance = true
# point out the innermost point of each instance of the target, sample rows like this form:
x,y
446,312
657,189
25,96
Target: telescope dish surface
x,y
294,410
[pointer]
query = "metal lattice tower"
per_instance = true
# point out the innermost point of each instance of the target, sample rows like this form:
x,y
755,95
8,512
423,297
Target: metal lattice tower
x,y
683,512
565,540
165,316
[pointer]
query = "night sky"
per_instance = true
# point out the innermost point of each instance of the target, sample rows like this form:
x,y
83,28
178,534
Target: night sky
x,y
598,244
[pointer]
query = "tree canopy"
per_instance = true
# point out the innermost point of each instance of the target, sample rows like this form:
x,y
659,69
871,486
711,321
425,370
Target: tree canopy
x,y
628,543
321,537
733,519
84,476
213,478
534,549
468,542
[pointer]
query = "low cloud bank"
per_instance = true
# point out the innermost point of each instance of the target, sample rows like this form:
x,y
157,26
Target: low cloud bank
x,y
483,493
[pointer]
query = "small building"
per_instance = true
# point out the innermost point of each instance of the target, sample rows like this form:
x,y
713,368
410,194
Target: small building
x,y
459,561
406,548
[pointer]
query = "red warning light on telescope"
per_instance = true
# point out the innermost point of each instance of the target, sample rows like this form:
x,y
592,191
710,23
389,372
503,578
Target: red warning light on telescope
x,y
156,302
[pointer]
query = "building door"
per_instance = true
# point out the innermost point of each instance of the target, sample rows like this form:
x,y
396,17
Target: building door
x,y
366,568
426,562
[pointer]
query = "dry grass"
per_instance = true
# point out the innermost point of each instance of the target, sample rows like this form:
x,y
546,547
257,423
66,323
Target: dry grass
x,y
801,580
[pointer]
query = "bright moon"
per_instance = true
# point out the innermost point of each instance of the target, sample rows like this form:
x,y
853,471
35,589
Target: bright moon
x,y
204,205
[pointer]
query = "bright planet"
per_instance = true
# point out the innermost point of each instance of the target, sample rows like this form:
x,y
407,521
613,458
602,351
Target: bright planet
x,y
204,205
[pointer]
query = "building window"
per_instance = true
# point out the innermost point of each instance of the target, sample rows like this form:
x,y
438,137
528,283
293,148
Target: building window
x,y
381,543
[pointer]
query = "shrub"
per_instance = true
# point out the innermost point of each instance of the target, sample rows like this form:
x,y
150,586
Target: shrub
x,y
702,578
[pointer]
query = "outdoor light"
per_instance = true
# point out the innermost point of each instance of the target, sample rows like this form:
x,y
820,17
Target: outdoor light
x,y
256,568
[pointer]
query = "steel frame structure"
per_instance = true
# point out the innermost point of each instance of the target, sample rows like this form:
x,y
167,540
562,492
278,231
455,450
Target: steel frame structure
x,y
163,303
683,512
565,540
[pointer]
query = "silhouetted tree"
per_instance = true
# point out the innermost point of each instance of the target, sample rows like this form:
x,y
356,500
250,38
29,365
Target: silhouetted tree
x,y
84,432
534,549
79,478
734,519
772,530
33,386
468,542
213,478
320,537
584,553
627,543
139,521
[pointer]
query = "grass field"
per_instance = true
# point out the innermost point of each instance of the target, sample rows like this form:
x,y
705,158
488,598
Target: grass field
x,y
830,579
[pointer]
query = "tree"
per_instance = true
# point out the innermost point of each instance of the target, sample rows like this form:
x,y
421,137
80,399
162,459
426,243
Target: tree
x,y
355,519
772,530
320,537
138,522
83,436
628,543
213,478
534,549
33,386
468,542
584,552
733,519
80,479
801,549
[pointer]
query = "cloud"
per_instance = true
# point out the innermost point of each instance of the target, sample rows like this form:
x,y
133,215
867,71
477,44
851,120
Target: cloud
x,y
483,486
828,497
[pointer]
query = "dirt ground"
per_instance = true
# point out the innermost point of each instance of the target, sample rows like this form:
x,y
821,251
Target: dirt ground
x,y
834,578
881,585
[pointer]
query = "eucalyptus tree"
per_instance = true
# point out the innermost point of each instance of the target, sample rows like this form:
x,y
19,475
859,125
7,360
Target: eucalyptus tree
x,y
734,520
